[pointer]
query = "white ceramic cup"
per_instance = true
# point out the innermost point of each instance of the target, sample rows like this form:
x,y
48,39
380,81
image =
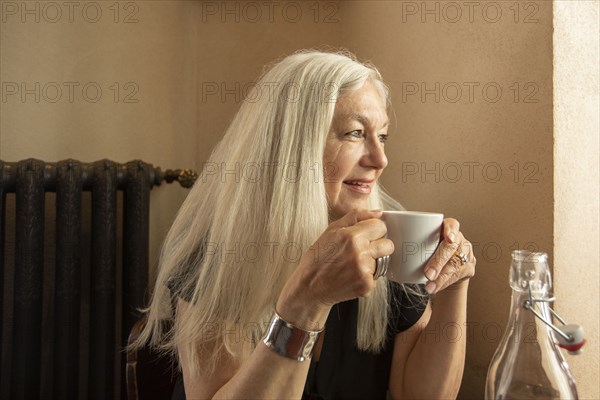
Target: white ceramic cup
x,y
416,236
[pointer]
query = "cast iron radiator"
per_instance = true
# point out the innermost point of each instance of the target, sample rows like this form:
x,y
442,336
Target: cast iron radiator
x,y
66,315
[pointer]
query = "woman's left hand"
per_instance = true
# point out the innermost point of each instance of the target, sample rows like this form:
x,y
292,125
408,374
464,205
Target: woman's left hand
x,y
452,262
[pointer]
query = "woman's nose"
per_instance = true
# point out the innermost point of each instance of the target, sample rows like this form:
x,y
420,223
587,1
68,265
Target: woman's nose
x,y
375,155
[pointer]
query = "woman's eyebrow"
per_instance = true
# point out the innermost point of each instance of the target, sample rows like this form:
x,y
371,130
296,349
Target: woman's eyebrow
x,y
365,121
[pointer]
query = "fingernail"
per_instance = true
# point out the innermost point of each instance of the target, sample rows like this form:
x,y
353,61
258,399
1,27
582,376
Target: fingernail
x,y
452,237
430,274
430,287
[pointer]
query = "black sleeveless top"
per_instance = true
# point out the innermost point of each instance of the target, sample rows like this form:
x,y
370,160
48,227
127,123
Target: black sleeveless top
x,y
344,371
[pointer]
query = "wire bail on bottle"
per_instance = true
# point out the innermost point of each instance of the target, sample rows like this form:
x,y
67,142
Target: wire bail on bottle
x,y
570,336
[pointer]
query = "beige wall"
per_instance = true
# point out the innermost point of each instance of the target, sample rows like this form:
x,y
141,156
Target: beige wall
x,y
190,60
439,138
151,58
576,147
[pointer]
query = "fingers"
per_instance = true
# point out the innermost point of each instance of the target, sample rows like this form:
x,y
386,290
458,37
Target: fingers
x,y
381,247
370,229
366,240
451,271
443,254
355,216
362,225
454,269
362,233
451,230
342,261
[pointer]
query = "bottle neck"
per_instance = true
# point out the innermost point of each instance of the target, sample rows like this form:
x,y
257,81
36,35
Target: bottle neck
x,y
528,327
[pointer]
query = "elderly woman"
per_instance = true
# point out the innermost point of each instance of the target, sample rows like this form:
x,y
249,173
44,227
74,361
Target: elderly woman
x,y
269,267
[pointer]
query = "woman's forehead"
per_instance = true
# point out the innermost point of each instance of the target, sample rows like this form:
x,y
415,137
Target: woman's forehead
x,y
363,106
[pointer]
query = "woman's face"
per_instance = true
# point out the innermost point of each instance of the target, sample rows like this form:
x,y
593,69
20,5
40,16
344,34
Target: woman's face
x,y
354,152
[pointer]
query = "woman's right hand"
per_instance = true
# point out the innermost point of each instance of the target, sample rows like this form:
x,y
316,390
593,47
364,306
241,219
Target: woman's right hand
x,y
339,266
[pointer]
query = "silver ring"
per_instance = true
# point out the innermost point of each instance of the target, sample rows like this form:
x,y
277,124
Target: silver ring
x,y
462,257
381,266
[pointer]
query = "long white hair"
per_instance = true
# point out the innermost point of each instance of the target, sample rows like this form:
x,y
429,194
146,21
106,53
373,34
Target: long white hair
x,y
257,206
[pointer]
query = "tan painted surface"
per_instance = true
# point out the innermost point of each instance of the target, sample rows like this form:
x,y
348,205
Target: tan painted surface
x,y
576,147
481,157
145,72
460,145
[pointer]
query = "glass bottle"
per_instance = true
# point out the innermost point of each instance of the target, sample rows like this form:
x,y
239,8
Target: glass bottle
x,y
528,363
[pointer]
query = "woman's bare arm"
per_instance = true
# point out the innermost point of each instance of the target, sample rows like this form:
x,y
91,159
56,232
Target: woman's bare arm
x,y
428,359
305,301
264,375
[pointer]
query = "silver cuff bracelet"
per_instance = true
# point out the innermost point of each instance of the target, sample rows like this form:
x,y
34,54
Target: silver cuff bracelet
x,y
290,341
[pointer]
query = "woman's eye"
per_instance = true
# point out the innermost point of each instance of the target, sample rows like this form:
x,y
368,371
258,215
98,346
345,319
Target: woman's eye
x,y
357,133
383,138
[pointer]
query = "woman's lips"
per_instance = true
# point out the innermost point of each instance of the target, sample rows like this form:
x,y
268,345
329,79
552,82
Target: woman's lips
x,y
359,186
